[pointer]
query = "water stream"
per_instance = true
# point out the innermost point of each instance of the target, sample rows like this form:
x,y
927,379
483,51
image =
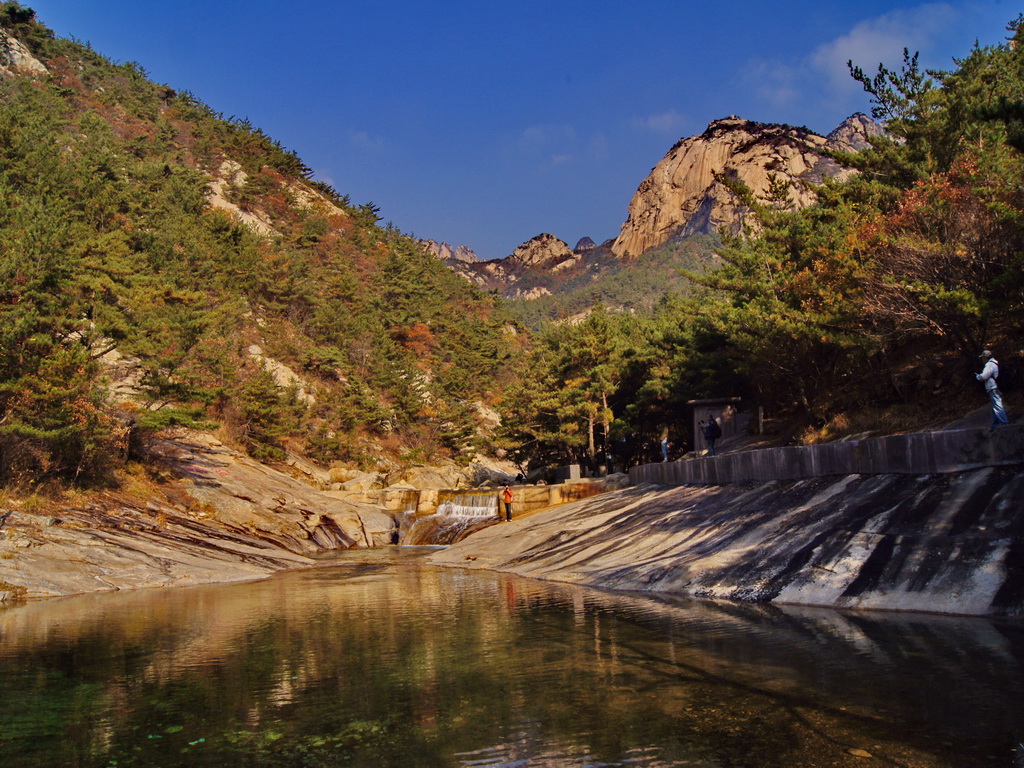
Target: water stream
x,y
378,660
468,504
458,513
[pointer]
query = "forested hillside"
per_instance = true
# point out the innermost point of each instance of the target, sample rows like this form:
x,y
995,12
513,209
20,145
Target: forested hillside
x,y
163,264
631,285
125,260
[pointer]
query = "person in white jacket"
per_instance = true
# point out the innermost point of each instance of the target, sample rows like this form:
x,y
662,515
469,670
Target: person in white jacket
x,y
989,374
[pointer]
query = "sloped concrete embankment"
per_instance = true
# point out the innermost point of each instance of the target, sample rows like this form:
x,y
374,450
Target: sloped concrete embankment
x,y
949,542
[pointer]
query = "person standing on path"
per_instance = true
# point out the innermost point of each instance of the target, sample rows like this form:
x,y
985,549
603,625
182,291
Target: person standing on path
x,y
711,432
506,499
989,374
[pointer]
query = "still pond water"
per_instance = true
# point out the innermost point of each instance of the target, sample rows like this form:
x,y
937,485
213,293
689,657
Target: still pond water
x,y
378,660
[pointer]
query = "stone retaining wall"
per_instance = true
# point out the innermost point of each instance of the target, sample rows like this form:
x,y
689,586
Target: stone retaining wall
x,y
527,498
918,453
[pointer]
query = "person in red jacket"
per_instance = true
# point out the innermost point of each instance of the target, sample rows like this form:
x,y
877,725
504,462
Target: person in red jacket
x,y
506,499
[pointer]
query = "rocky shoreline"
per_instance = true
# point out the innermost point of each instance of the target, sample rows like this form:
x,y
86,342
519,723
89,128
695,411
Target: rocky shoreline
x,y
213,515
941,543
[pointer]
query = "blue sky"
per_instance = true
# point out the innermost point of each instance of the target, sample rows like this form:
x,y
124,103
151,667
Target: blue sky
x,y
486,123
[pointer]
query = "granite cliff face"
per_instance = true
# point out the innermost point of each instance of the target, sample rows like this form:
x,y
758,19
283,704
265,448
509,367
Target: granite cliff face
x,y
683,195
542,249
852,134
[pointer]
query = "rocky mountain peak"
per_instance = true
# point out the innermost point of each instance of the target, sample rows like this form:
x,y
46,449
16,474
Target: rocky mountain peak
x,y
684,194
542,249
853,133
585,244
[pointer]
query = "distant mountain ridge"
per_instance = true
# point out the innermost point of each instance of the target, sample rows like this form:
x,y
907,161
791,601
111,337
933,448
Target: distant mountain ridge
x,y
444,251
684,195
532,270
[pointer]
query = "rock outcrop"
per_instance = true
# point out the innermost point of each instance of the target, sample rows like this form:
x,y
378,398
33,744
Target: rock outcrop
x,y
230,175
460,253
853,133
523,273
15,58
544,249
685,193
214,515
283,376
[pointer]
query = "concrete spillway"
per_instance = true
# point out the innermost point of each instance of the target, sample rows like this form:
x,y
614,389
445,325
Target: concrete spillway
x,y
947,541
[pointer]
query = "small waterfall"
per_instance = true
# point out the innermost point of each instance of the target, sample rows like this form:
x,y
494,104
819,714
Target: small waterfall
x,y
468,504
458,514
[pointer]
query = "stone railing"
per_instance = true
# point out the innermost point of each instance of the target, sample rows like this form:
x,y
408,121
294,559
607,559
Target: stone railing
x,y
918,453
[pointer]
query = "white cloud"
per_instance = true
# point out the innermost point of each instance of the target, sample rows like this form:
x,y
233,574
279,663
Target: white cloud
x,y
670,122
598,147
881,39
774,82
819,83
364,140
542,145
539,138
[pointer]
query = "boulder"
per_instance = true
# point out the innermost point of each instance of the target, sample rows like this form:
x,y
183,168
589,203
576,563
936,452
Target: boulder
x,y
15,58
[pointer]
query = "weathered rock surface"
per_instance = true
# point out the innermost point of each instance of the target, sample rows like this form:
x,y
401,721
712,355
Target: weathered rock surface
x,y
284,377
434,478
950,543
684,194
446,252
217,516
230,174
525,273
542,249
853,133
15,58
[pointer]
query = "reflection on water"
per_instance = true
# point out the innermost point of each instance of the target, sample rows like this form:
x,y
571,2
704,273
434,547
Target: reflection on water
x,y
375,660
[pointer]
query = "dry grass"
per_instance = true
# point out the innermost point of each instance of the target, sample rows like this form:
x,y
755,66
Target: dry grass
x,y
875,422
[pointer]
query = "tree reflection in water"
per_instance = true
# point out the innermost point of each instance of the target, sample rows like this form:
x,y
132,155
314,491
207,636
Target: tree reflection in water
x,y
375,660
